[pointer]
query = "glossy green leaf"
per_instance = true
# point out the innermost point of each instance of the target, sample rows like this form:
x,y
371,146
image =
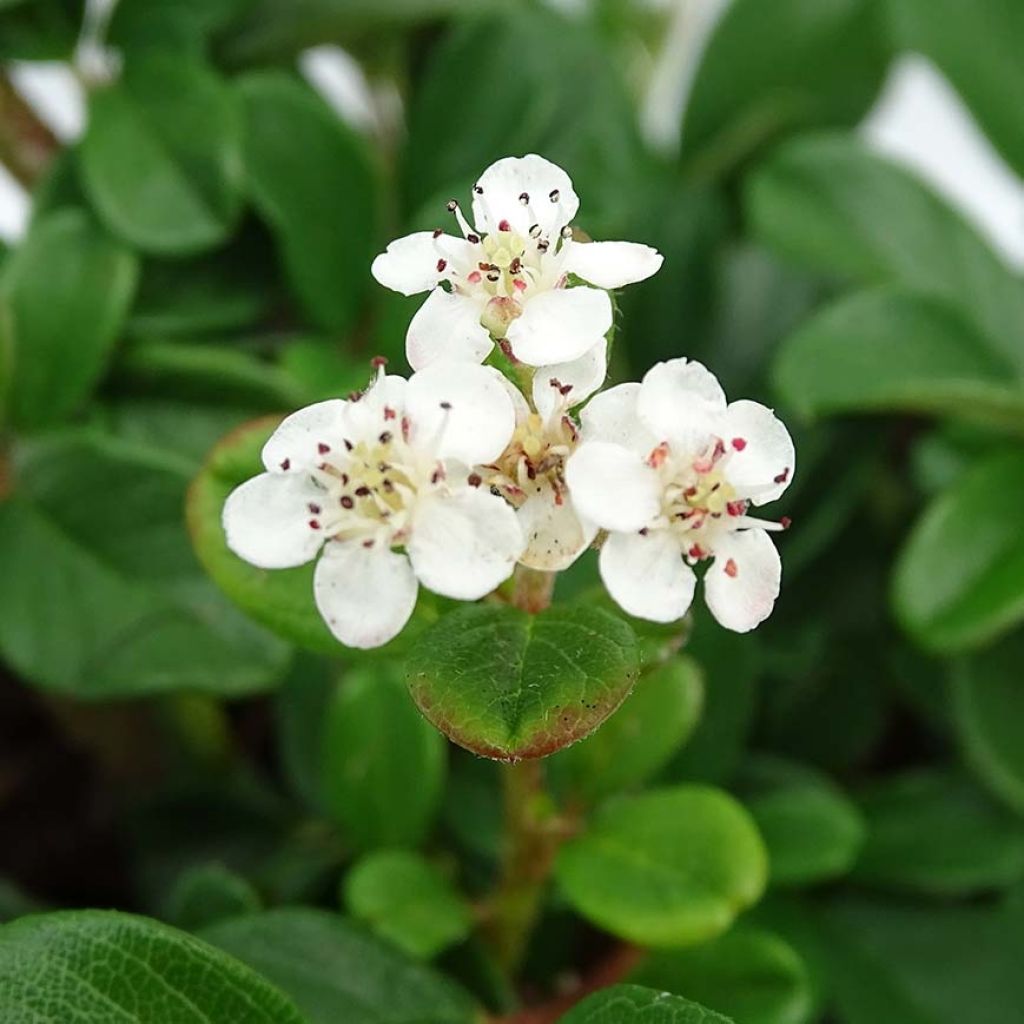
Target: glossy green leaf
x,y
208,893
407,900
893,350
631,1004
673,867
635,743
96,967
509,685
750,974
959,580
337,973
100,593
311,178
988,713
161,160
975,46
832,205
64,295
771,69
937,832
383,766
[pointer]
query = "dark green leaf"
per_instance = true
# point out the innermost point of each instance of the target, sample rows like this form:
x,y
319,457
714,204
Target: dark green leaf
x,y
671,868
771,69
161,160
209,893
63,299
959,580
96,967
407,900
338,974
39,29
631,1004
383,766
829,203
752,975
509,685
894,350
311,179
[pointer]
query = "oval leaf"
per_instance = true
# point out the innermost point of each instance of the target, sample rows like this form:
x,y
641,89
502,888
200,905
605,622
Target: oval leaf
x,y
631,1004
509,685
669,868
96,967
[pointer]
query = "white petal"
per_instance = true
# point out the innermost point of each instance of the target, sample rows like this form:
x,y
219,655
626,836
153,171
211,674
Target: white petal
x,y
646,575
505,181
464,544
560,325
611,416
365,595
743,581
612,486
447,326
461,411
611,264
555,534
682,403
762,458
584,376
378,409
293,446
267,520
409,265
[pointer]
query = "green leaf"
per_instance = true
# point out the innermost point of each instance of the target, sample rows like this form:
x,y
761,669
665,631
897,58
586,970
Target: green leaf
x,y
812,830
337,973
281,600
976,48
101,595
96,967
988,712
635,743
752,975
408,901
64,295
959,581
383,765
772,69
893,350
938,833
311,178
673,867
39,29
208,893
179,25
832,205
509,685
162,159
631,1004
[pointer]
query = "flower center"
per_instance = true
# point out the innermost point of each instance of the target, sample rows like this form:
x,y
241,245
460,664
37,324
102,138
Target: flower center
x,y
537,452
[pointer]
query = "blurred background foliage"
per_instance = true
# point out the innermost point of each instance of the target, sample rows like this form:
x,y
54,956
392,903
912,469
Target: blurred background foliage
x,y
204,754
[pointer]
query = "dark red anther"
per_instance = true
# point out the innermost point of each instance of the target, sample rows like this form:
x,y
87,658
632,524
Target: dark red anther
x,y
379,361
347,502
314,524
389,413
739,443
736,508
286,465
696,551
314,508
474,480
438,232
503,225
322,448
441,264
385,437
783,476
785,522
473,239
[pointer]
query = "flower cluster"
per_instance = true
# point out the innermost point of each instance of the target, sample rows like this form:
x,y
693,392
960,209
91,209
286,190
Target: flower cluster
x,y
453,477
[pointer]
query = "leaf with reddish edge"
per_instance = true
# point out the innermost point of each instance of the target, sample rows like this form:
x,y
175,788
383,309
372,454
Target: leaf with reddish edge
x,y
512,686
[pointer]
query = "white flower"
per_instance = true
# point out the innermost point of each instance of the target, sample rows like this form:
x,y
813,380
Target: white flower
x,y
392,469
506,279
670,470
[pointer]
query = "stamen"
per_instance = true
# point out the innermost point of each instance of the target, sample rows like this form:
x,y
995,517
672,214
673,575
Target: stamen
x,y
554,195
504,225
467,231
731,569
739,443
783,476
347,502
322,448
441,264
286,464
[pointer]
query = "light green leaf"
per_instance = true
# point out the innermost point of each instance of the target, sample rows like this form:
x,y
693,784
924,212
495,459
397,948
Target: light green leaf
x,y
407,900
673,867
752,975
98,967
771,69
64,295
959,580
338,974
631,1004
161,160
893,350
829,203
311,179
509,685
635,743
383,766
